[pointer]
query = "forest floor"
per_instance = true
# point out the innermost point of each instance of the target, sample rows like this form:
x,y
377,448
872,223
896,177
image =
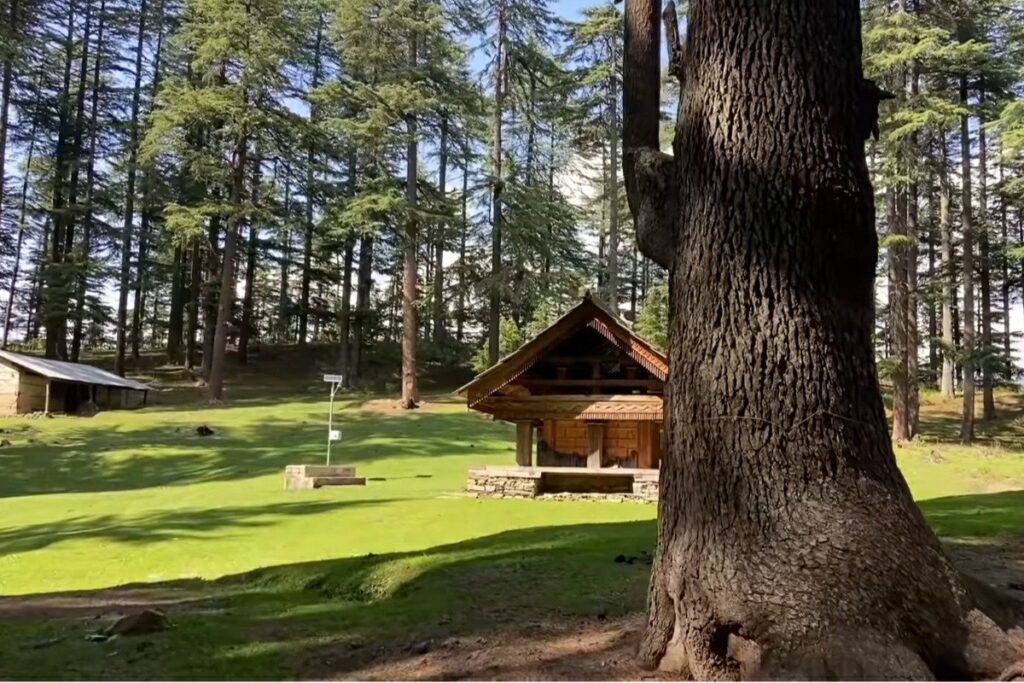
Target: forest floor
x,y
405,578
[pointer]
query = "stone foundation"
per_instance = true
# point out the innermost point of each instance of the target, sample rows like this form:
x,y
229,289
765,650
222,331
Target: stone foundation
x,y
299,477
488,484
529,482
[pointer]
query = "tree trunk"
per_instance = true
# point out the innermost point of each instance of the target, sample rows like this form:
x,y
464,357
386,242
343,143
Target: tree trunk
x,y
948,275
497,186
988,409
22,210
129,198
1004,233
410,390
789,544
227,281
967,316
53,303
612,188
283,317
345,315
307,252
364,283
6,80
85,248
441,235
175,322
899,323
245,333
460,322
213,277
195,280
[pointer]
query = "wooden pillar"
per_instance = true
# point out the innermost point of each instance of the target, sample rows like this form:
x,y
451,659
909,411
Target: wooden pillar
x,y
524,444
46,406
595,444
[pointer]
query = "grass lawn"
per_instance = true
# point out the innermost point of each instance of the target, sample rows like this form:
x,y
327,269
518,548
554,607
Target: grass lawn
x,y
262,581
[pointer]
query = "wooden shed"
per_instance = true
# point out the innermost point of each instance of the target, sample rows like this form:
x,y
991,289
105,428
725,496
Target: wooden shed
x,y
586,396
30,384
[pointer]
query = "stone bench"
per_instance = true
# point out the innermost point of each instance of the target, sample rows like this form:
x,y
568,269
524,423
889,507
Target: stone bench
x,y
298,477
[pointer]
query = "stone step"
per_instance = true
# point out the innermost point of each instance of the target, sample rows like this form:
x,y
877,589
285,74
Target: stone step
x,y
338,481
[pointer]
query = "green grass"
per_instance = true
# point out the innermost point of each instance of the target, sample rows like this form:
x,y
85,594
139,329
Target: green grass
x,y
272,583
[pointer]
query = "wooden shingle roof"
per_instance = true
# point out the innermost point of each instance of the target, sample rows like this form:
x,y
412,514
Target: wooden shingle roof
x,y
590,312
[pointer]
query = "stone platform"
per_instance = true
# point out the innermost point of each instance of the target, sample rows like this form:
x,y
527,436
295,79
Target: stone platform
x,y
564,483
297,477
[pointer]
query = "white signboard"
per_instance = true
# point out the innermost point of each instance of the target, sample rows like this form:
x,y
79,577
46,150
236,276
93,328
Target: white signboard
x,y
334,378
334,435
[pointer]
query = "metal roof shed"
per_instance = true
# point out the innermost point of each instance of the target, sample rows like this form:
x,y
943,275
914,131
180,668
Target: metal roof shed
x,y
31,384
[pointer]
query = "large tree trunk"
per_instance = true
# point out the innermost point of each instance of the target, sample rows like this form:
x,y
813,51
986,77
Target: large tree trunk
x,y
460,321
210,290
966,217
176,320
789,544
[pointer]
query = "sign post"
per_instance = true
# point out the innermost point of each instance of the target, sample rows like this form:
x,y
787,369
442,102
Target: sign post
x,y
332,434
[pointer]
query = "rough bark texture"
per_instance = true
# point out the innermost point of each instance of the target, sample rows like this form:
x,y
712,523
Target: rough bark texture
x,y
789,545
988,404
497,186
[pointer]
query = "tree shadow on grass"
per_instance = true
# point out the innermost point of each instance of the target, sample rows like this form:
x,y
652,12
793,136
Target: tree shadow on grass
x,y
323,619
166,525
981,516
104,458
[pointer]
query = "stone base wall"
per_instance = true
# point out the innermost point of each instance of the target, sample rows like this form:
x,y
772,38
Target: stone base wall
x,y
529,483
488,485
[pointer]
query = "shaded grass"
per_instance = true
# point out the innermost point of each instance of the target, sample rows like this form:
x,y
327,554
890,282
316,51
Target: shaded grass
x,y
319,582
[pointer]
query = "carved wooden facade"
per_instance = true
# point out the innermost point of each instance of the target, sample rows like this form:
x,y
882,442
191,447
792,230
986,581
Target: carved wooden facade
x,y
585,392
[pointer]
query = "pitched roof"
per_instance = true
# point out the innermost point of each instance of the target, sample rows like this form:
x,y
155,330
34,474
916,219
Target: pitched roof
x,y
69,372
590,312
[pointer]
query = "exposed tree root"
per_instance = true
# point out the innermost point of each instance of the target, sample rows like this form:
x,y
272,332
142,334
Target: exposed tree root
x,y
991,647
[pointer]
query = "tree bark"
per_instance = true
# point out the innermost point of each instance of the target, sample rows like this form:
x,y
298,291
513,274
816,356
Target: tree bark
x,y
213,271
6,80
175,322
307,245
441,235
789,544
497,186
195,281
410,390
227,281
245,333
612,188
948,274
53,302
460,322
364,284
988,405
22,211
967,316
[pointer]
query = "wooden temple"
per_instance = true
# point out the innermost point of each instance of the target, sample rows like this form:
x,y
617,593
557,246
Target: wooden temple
x,y
586,396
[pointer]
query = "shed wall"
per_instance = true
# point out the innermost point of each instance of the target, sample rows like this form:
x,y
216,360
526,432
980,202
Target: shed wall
x,y
8,390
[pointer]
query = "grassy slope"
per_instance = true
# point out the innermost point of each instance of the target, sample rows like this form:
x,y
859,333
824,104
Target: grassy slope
x,y
136,497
